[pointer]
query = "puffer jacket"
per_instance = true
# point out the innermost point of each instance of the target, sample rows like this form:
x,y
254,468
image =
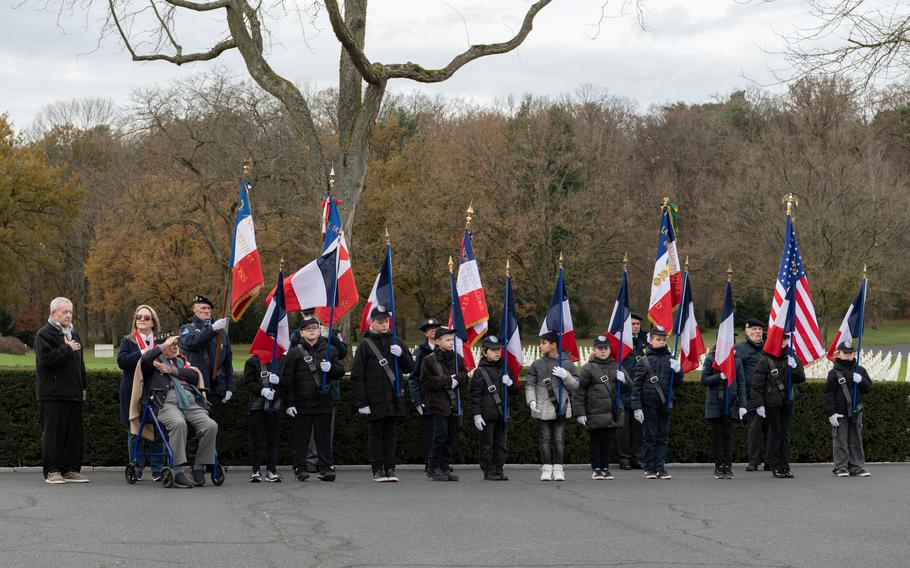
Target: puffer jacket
x,y
370,382
750,353
644,392
301,387
536,388
596,395
769,387
714,383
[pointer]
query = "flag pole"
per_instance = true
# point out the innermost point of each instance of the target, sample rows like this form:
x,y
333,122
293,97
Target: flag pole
x,y
388,255
622,329
227,283
859,340
790,199
505,351
679,314
453,298
275,342
560,283
726,382
328,340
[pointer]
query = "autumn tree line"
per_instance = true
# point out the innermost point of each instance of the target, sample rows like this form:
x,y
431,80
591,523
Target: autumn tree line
x,y
115,206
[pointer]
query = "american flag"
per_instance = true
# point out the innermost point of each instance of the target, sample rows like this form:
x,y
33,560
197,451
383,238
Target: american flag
x,y
791,309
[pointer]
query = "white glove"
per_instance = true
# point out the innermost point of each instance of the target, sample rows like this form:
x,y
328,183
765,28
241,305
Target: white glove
x,y
420,409
291,411
620,376
507,380
560,372
674,364
640,416
274,379
365,410
761,411
454,382
742,412
227,396
220,324
267,393
533,405
833,419
478,422
857,378
396,350
325,366
583,420
791,361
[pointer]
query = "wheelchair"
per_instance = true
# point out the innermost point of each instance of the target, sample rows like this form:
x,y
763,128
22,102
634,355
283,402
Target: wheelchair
x,y
149,416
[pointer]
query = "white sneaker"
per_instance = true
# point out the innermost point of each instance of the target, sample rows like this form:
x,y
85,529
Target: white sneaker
x,y
546,472
558,473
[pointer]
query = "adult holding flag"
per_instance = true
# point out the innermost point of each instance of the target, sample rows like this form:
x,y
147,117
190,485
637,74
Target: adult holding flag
x,y
845,388
725,388
793,340
551,379
622,339
666,284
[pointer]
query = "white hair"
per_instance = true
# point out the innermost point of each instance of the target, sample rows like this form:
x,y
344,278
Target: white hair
x,y
59,302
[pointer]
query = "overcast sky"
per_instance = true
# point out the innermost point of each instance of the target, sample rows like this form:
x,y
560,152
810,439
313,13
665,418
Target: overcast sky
x,y
691,51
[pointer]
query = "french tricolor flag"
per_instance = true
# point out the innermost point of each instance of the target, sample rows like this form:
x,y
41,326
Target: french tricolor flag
x,y
619,332
381,294
666,280
852,326
510,335
333,236
273,338
312,285
470,291
559,318
724,360
246,269
691,345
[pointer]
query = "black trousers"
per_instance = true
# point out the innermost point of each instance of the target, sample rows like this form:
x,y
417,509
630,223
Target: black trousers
x,y
61,436
443,441
264,429
426,436
722,440
777,454
599,447
381,442
629,438
757,438
319,426
493,446
312,456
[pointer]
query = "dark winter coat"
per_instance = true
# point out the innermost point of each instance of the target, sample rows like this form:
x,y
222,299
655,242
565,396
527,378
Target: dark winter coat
x,y
835,400
60,370
488,373
372,386
435,387
153,379
198,342
750,354
255,382
340,347
420,352
127,358
769,388
644,392
714,384
596,395
300,386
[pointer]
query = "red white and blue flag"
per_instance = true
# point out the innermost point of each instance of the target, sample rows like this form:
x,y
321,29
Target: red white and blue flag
x,y
559,318
347,296
691,345
724,358
619,331
791,309
851,328
312,285
666,284
456,322
273,338
510,335
381,294
246,269
470,292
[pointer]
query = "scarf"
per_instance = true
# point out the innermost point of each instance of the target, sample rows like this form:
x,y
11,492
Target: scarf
x,y
66,331
143,346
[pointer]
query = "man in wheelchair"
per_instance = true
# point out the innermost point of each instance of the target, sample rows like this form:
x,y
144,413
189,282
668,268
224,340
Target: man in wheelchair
x,y
174,388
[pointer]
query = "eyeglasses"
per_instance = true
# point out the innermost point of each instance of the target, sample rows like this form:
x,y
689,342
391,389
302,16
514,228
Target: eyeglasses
x,y
142,317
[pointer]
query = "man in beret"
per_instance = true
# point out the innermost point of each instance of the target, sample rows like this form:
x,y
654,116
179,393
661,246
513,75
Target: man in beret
x,y
749,351
629,435
428,327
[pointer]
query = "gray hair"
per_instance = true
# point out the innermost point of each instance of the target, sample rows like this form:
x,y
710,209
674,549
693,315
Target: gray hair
x,y
59,302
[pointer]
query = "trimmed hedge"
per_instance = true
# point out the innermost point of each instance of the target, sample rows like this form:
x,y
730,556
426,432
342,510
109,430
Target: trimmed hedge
x,y
886,420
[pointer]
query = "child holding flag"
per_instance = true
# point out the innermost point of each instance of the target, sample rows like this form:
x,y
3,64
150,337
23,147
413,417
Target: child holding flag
x,y
847,424
489,386
723,404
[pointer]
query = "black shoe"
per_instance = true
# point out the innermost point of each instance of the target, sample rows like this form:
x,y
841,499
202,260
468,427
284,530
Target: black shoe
x,y
272,476
501,474
199,477
451,475
379,475
841,472
662,474
861,473
728,472
606,474
718,472
624,464
139,475
651,475
779,473
328,474
751,467
788,474
637,465
451,469
438,475
302,475
255,476
181,481
156,477
767,468
490,476
390,474
312,468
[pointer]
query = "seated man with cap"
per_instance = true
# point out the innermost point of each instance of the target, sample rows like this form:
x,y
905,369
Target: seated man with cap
x,y
489,387
428,327
654,374
379,362
845,411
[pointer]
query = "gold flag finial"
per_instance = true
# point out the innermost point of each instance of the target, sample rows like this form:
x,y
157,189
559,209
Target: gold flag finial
x,y
561,260
686,264
790,199
388,240
666,201
625,261
451,265
469,216
246,166
864,270
730,272
281,263
508,267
